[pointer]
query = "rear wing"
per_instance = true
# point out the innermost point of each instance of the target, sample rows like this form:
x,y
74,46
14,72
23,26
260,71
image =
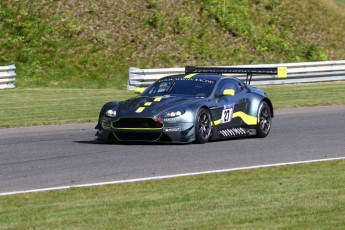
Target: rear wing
x,y
280,71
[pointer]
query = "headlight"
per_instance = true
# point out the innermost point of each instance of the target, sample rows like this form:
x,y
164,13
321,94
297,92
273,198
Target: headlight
x,y
111,113
174,113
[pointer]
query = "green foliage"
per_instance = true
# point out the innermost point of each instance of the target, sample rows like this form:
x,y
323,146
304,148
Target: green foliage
x,y
156,20
231,15
93,43
315,53
182,23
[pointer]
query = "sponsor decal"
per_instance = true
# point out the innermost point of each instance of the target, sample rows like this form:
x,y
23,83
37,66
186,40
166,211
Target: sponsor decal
x,y
189,79
169,120
227,113
232,132
172,129
282,72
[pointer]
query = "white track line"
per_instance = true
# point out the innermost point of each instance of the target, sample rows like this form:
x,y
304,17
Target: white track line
x,y
167,177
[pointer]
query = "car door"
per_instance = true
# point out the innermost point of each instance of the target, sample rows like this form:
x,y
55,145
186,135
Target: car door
x,y
227,106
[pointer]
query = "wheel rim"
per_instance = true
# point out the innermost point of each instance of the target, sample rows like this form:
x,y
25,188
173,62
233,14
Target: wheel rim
x,y
204,124
265,119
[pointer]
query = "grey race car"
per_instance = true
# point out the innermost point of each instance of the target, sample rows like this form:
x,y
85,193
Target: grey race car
x,y
200,105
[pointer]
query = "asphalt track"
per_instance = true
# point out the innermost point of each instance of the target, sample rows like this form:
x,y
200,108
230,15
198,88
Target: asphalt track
x,y
67,155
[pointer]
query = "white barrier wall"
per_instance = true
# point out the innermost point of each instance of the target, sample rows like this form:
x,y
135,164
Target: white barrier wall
x,y
7,77
296,73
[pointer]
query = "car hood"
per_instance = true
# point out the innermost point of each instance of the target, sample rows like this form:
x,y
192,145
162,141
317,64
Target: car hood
x,y
151,106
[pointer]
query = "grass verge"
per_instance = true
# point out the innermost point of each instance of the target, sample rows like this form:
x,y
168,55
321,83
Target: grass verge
x,y
309,196
28,107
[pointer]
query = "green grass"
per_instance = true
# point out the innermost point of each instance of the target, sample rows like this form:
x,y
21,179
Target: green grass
x,y
41,106
290,197
27,107
306,95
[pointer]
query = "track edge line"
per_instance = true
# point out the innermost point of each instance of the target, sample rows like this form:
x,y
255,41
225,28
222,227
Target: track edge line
x,y
167,176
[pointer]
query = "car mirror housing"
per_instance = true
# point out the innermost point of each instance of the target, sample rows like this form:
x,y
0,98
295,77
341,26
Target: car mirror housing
x,y
139,90
228,92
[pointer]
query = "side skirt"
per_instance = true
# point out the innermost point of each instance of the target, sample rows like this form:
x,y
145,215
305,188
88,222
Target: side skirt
x,y
233,132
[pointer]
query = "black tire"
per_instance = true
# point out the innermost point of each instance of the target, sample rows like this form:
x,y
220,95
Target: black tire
x,y
203,128
264,120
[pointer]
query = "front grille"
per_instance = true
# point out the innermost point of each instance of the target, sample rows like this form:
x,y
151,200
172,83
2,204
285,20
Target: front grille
x,y
136,123
135,136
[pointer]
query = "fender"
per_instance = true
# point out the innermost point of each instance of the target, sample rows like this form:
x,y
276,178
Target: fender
x,y
109,105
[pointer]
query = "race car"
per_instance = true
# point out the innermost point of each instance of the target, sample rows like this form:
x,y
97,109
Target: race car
x,y
198,106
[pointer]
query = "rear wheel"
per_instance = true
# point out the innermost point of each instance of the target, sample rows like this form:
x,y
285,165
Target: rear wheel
x,y
203,126
264,120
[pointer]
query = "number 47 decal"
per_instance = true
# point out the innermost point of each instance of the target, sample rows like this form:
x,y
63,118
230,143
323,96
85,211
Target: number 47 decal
x,y
227,113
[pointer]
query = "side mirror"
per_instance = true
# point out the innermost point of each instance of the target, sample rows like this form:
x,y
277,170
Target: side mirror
x,y
228,92
139,90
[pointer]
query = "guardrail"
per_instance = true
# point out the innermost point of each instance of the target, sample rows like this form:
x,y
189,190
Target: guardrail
x,y
303,72
7,77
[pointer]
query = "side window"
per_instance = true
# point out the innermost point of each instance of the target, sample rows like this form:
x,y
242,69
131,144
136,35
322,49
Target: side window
x,y
159,88
227,84
240,86
163,87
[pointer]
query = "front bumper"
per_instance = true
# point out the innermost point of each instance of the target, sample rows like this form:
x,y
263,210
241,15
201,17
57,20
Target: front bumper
x,y
183,132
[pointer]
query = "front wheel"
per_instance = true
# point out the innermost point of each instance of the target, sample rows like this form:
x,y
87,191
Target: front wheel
x,y
264,120
203,126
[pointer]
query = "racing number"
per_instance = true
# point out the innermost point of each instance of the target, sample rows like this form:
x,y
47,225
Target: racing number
x,y
227,113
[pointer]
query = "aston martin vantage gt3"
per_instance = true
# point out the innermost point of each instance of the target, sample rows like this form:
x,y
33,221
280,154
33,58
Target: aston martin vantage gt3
x,y
198,106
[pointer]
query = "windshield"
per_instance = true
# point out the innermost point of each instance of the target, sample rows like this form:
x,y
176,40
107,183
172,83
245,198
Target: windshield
x,y
196,87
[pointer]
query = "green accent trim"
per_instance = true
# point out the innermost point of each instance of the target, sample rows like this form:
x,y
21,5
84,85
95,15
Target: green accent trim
x,y
138,129
116,136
